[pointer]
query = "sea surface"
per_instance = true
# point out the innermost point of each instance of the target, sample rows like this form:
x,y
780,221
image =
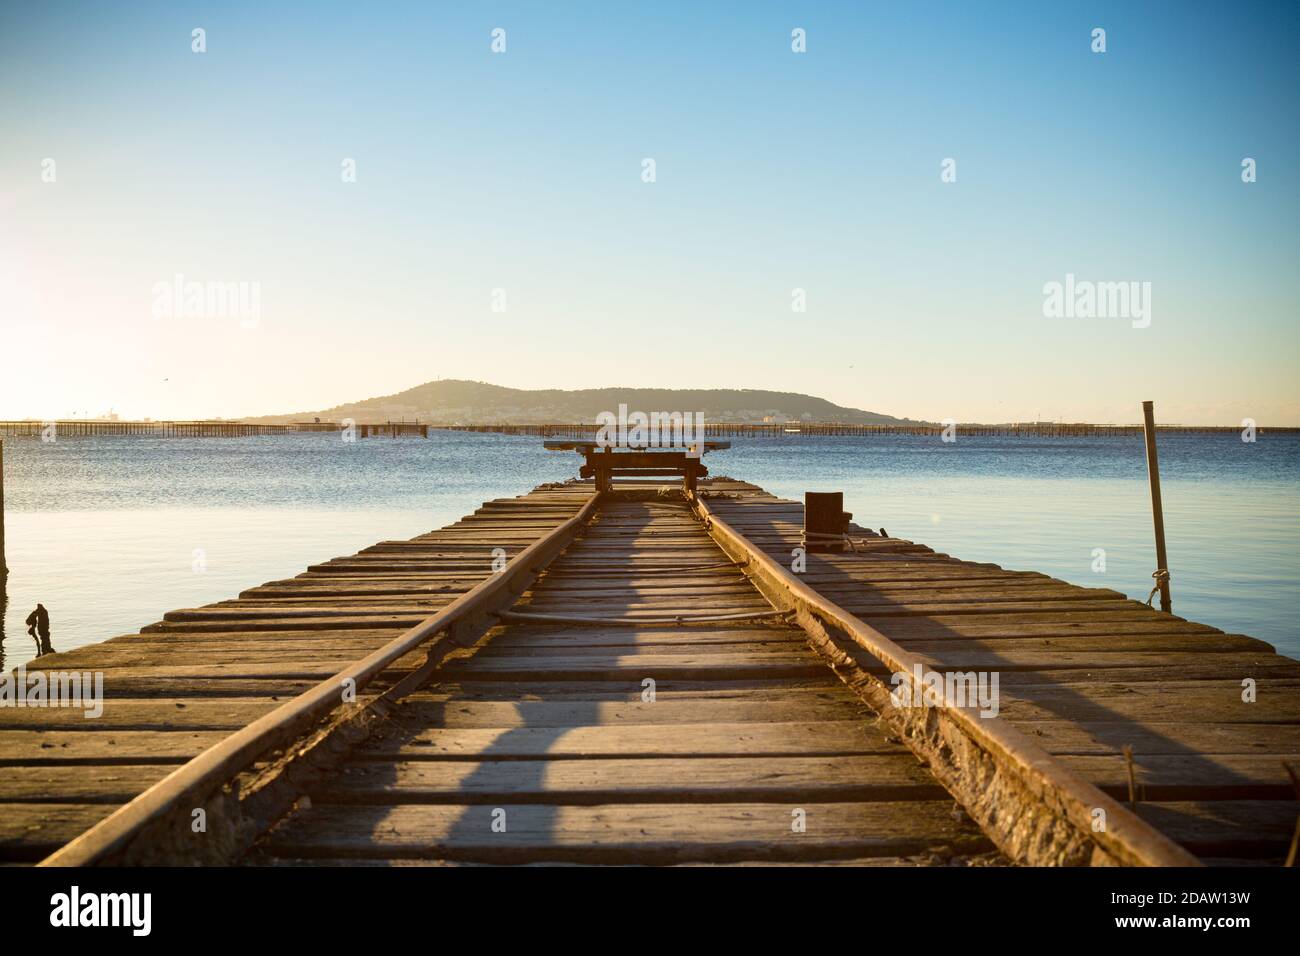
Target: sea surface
x,y
111,532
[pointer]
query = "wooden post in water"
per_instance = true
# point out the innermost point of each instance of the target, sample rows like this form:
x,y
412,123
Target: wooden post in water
x,y
1157,510
4,569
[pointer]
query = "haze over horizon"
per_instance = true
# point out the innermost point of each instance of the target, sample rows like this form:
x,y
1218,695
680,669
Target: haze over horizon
x,y
775,171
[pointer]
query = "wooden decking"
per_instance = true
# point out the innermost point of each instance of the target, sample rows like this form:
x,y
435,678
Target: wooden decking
x,y
190,680
651,740
1086,673
749,748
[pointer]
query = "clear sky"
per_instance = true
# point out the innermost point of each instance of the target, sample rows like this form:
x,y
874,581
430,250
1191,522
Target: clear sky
x,y
522,171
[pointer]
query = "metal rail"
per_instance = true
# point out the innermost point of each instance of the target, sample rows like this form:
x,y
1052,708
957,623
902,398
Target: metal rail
x,y
1125,838
190,784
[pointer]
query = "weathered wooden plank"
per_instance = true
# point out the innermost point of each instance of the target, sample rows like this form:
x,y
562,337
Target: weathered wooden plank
x,y
643,833
1229,828
1106,644
1245,664
869,608
1209,701
823,686
649,610
355,620
1163,737
602,713
1190,668
782,650
230,653
797,780
1193,776
112,784
596,591
295,670
301,640
19,747
695,637
728,666
141,714
31,831
694,740
902,629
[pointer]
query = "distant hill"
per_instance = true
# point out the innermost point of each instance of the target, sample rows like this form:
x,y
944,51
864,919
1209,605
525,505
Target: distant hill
x,y
454,401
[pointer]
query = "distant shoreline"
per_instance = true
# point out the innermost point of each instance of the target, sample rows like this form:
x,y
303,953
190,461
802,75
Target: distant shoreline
x,y
234,428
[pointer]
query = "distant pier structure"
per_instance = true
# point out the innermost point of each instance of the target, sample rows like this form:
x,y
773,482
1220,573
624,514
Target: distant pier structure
x,y
773,429
200,429
234,429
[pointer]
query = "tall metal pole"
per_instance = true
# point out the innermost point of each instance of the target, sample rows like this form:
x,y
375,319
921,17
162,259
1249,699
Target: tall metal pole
x,y
1157,511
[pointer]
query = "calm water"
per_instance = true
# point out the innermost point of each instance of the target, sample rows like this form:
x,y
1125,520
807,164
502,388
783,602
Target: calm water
x,y
109,533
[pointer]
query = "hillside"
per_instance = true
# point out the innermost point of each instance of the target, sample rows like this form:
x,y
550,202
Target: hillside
x,y
454,401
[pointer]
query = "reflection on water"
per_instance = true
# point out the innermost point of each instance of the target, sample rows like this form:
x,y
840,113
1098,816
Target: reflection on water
x,y
110,533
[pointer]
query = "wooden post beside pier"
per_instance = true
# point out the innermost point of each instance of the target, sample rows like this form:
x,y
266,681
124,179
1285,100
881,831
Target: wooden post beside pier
x,y
4,569
1157,510
824,520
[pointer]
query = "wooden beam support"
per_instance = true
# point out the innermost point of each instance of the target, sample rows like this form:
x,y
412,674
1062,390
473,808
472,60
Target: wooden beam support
x,y
1161,574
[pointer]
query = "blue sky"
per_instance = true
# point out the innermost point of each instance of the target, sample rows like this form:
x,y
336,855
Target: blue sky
x,y
522,171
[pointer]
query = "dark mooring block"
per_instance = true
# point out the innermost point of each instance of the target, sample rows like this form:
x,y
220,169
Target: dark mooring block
x,y
824,520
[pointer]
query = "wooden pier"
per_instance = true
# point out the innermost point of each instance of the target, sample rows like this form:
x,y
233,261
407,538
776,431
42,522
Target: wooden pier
x,y
639,676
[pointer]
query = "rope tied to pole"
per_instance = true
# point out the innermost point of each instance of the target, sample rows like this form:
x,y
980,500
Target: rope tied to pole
x,y
1162,580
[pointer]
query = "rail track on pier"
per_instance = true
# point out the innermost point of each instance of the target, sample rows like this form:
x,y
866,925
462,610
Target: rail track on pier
x,y
639,676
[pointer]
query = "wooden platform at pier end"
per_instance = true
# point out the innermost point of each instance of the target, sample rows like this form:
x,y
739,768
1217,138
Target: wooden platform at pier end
x,y
544,744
